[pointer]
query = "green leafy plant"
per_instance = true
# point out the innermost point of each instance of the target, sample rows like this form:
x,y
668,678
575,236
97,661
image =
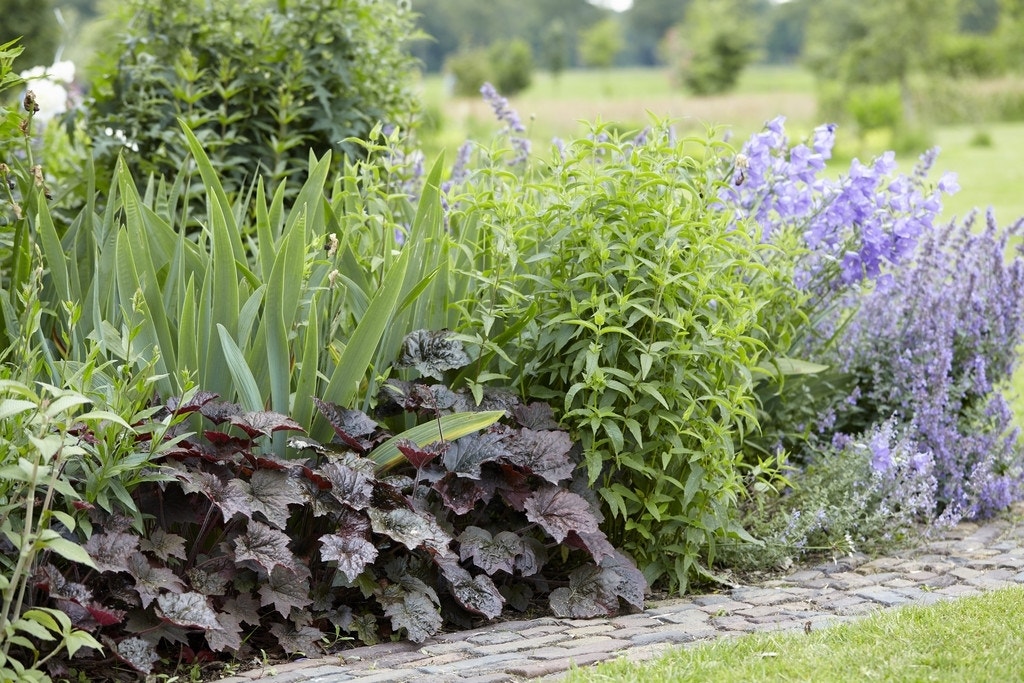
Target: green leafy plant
x,y
261,83
650,316
243,550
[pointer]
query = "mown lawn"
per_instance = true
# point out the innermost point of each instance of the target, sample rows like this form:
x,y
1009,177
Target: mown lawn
x,y
970,640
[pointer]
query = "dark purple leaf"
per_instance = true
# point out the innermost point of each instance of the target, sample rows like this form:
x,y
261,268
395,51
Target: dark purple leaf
x,y
285,589
163,545
490,553
477,594
432,352
417,614
559,511
194,403
138,654
351,552
269,493
585,596
220,412
110,551
499,398
151,581
105,616
207,583
459,494
349,486
226,443
187,610
348,424
301,640
621,578
321,482
514,486
147,625
228,499
533,558
229,636
594,542
517,595
50,579
536,415
410,529
465,455
264,547
264,422
244,607
420,456
388,497
545,454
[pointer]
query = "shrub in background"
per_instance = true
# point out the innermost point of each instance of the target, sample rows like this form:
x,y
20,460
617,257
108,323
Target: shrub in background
x,y
261,83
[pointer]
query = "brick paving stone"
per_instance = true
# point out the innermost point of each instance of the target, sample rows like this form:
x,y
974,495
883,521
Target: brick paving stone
x,y
590,629
607,646
520,644
712,599
965,573
722,608
555,666
634,621
489,678
494,637
847,580
881,595
521,624
675,636
388,676
958,590
900,583
490,662
732,623
694,617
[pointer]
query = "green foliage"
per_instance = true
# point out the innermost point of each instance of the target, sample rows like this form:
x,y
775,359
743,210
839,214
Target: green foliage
x,y
470,69
261,83
512,66
601,44
717,42
875,106
51,475
970,56
32,21
267,306
648,316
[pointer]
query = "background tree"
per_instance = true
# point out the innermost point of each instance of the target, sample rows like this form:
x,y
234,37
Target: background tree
x,y
35,23
261,82
647,24
715,42
601,44
511,65
876,42
555,49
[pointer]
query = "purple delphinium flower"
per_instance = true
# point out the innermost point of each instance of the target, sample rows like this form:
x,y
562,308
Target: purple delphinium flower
x,y
853,226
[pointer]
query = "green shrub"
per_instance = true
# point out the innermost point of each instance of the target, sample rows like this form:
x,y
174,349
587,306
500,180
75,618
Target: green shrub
x,y
648,315
875,106
469,70
970,56
261,83
511,65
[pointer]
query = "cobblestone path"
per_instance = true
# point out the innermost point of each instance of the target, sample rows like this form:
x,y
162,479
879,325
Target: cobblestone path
x,y
965,560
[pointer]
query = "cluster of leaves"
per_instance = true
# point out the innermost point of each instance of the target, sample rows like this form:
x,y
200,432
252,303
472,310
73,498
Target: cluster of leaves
x,y
644,316
244,550
262,83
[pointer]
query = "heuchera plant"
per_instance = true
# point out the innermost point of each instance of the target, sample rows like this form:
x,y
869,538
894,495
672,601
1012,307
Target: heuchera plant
x,y
244,550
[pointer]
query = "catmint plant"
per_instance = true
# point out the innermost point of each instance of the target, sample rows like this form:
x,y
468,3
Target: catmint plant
x,y
933,344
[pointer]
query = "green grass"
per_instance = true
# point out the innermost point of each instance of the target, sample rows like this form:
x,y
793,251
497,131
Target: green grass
x,y
970,640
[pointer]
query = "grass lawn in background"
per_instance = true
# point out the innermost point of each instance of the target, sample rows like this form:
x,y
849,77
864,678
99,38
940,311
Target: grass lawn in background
x,y
970,640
